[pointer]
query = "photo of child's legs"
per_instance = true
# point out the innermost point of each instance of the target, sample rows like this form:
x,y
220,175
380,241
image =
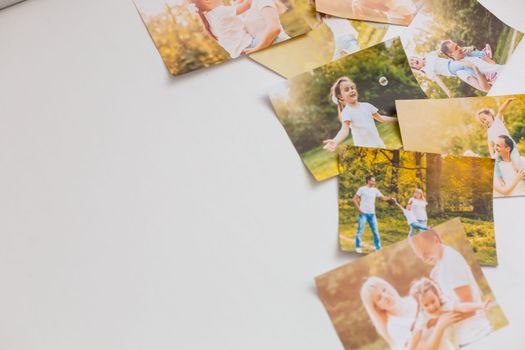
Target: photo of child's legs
x,y
420,225
515,157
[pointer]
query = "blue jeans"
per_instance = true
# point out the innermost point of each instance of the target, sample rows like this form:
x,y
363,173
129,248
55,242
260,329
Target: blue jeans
x,y
362,219
420,225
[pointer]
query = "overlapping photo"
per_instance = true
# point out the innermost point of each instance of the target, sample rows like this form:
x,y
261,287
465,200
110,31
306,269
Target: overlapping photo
x,y
386,196
193,34
490,126
388,11
349,101
458,48
425,292
330,39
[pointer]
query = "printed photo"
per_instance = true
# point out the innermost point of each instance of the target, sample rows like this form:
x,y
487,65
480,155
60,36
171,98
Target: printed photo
x,y
458,48
388,11
425,292
349,101
193,34
490,126
387,195
330,39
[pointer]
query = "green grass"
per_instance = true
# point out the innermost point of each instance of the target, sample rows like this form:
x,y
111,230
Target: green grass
x,y
394,228
324,165
506,45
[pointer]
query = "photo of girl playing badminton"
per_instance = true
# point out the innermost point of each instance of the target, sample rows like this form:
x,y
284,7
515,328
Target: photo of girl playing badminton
x,y
355,117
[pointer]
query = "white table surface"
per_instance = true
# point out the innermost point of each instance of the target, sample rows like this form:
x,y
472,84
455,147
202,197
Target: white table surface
x,y
143,211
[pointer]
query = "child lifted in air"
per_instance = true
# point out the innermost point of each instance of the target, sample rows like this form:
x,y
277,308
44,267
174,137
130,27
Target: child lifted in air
x,y
495,126
411,218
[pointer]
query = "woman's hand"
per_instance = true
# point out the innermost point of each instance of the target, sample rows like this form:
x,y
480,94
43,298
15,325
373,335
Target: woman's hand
x,y
329,145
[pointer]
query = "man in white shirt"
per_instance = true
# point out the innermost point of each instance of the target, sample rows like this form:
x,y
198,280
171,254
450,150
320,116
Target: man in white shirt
x,y
455,279
365,201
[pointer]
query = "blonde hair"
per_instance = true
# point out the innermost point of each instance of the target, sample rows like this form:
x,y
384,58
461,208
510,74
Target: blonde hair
x,y
421,287
378,316
487,111
335,92
419,190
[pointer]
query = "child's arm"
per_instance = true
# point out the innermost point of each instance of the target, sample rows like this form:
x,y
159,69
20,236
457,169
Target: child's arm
x,y
501,110
242,6
383,118
442,85
505,191
471,307
491,148
331,144
414,340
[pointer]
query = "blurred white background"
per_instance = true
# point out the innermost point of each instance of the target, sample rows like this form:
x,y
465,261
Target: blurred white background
x,y
144,211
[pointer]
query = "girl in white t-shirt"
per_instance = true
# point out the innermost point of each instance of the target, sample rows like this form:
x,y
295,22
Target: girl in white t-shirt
x,y
357,117
495,128
411,219
418,205
232,26
435,315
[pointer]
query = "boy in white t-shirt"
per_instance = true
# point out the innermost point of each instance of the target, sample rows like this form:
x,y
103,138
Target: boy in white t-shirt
x,y
357,117
411,218
365,201
454,277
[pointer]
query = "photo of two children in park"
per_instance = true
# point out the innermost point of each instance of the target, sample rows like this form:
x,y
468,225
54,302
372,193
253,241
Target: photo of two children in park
x,y
349,101
490,126
192,34
388,195
425,292
458,48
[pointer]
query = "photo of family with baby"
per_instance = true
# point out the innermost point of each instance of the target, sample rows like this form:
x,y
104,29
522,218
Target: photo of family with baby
x,y
453,56
426,293
191,34
489,126
386,196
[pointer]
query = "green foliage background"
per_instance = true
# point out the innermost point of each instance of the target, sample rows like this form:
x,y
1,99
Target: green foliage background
x,y
453,186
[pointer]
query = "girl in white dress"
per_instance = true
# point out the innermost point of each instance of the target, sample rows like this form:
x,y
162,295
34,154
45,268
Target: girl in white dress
x,y
357,117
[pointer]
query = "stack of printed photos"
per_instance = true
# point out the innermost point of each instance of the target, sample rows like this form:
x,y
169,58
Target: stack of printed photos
x,y
419,150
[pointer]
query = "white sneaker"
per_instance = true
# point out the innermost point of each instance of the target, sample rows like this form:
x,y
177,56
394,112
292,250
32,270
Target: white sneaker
x,y
358,250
